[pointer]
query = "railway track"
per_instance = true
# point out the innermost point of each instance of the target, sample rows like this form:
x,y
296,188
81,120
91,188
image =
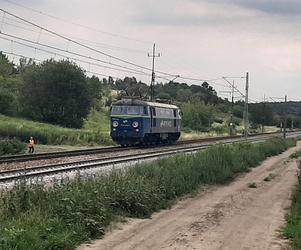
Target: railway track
x,y
60,154
53,169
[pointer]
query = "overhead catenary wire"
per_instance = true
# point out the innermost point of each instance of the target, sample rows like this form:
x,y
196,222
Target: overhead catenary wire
x,y
164,73
87,71
123,68
97,44
34,59
83,45
66,51
102,61
225,78
76,24
19,55
108,55
75,59
80,44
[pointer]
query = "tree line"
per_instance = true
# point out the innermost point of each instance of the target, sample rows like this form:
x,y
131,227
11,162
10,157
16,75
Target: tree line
x,y
60,92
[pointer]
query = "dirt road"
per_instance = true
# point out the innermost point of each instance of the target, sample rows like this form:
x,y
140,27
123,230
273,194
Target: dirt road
x,y
232,216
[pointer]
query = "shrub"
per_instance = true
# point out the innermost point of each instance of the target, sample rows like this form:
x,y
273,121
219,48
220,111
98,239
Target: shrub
x,y
11,146
197,115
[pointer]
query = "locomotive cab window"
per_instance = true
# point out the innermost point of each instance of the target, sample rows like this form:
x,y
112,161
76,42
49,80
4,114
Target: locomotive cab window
x,y
127,110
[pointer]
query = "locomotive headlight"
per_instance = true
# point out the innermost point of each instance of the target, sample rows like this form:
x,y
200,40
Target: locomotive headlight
x,y
135,124
115,124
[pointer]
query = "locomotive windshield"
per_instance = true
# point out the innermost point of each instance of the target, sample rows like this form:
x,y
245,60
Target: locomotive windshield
x,y
128,110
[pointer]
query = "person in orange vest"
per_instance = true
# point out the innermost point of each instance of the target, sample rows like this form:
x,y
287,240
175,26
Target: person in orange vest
x,y
31,145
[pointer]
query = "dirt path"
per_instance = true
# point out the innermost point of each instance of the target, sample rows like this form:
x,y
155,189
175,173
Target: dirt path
x,y
233,216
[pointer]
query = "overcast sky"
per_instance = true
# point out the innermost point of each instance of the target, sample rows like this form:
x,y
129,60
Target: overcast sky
x,y
204,39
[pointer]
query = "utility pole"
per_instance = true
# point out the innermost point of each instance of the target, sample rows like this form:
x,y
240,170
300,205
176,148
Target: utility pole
x,y
264,115
153,70
246,116
232,104
285,117
233,90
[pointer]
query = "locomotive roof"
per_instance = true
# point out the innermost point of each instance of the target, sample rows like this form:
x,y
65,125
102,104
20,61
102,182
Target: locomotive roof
x,y
134,102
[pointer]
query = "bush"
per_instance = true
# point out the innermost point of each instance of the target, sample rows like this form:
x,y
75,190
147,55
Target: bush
x,y
11,146
197,115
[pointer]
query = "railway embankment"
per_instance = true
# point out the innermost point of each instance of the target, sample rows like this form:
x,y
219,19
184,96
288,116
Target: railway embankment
x,y
71,212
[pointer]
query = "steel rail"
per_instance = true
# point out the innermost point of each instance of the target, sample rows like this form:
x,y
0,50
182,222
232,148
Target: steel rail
x,y
51,169
60,154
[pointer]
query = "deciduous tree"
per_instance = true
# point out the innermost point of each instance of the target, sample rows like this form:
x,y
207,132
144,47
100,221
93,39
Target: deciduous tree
x,y
56,92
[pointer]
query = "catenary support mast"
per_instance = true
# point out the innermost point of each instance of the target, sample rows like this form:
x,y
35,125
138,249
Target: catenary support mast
x,y
153,71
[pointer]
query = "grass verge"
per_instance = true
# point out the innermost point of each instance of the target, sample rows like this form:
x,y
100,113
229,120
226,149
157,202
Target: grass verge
x,y
45,133
71,212
293,227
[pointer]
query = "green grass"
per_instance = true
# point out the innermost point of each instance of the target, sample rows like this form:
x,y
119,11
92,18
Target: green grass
x,y
293,227
71,212
98,121
11,146
45,133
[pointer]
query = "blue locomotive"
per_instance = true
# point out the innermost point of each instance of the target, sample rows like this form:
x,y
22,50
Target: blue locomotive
x,y
138,122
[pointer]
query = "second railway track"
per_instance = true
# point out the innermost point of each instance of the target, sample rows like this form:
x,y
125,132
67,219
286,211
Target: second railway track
x,y
52,169
60,154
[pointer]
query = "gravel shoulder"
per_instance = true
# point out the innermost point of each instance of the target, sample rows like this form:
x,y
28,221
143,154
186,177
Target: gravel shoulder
x,y
231,216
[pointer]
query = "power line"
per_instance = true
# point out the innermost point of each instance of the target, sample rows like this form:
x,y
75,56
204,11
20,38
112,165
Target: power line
x,y
153,55
65,51
83,45
97,44
130,70
19,55
75,42
211,81
225,78
76,24
102,53
99,60
198,79
34,59
74,59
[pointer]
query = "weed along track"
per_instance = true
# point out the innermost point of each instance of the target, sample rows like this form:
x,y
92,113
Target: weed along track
x,y
35,215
